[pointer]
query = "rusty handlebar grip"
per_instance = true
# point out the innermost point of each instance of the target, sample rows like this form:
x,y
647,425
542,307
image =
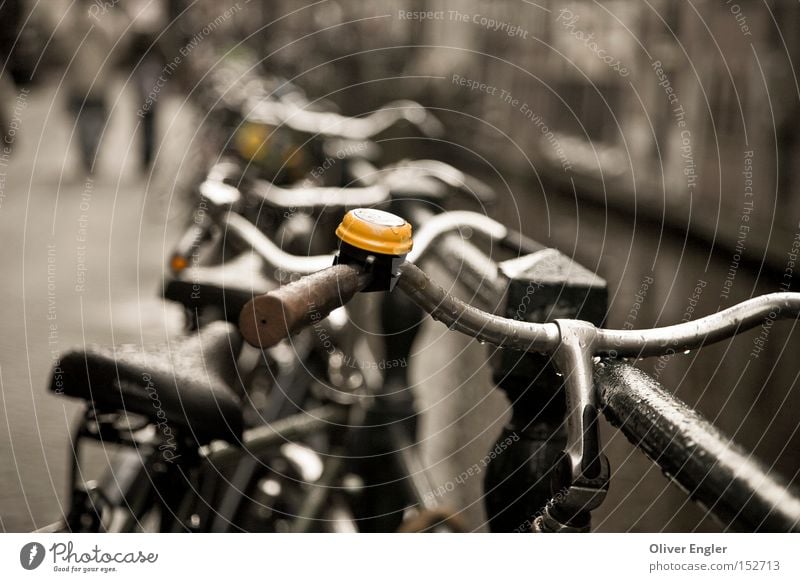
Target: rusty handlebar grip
x,y
267,319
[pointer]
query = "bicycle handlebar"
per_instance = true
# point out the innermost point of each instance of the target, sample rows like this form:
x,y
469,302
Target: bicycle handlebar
x,y
326,124
694,334
546,337
740,490
572,343
521,335
429,233
471,321
268,319
318,197
375,186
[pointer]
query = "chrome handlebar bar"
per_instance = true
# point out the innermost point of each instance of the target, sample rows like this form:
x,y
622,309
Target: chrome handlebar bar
x,y
426,236
521,335
546,338
573,343
694,334
326,124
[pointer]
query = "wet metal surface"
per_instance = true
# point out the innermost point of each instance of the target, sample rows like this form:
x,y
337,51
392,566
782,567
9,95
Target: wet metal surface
x,y
717,473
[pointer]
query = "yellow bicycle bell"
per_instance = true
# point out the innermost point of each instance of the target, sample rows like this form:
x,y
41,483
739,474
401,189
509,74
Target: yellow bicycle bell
x,y
251,141
376,241
271,149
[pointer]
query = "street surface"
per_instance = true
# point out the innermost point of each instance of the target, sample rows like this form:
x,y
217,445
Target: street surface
x,y
81,262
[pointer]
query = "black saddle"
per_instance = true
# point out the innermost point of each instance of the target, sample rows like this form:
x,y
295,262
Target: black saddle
x,y
227,287
185,385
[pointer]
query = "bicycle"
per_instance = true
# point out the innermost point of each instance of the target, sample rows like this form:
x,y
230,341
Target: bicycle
x,y
212,274
171,437
220,195
282,137
691,452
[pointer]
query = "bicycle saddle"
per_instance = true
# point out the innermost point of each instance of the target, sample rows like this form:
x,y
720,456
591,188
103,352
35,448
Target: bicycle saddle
x,y
228,286
186,384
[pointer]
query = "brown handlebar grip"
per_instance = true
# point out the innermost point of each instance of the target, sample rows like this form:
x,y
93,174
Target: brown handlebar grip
x,y
267,319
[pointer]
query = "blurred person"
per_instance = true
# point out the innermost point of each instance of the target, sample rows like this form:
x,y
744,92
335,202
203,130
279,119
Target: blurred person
x,y
10,11
148,18
6,97
87,77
